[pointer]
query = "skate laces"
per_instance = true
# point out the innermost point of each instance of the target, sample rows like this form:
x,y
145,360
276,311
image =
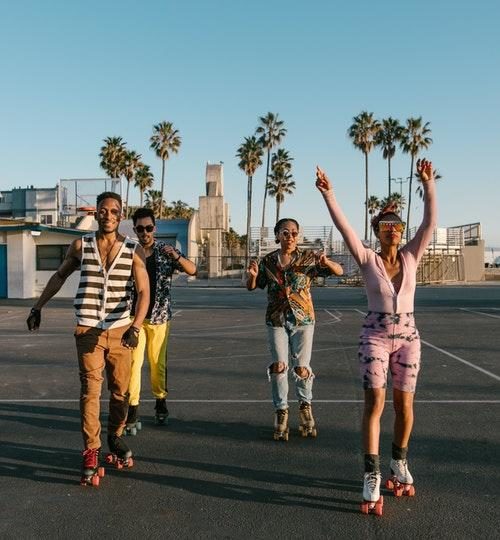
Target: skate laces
x,y
371,480
282,413
90,457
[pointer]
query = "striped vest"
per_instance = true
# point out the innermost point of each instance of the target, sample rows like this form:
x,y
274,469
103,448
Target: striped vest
x,y
103,298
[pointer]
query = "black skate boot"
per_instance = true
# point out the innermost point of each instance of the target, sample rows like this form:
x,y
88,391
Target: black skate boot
x,y
133,423
161,412
120,454
91,472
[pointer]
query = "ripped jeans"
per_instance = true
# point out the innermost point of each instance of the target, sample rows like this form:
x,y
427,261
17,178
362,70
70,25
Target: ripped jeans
x,y
290,342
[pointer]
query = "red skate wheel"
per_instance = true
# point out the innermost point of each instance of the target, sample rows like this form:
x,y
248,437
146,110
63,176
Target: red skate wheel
x,y
119,464
410,491
398,491
389,484
95,480
379,509
101,471
130,462
364,508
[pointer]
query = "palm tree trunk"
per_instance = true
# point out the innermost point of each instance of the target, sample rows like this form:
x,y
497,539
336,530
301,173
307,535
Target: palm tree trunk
x,y
126,199
389,173
162,186
249,217
277,210
409,200
265,189
142,194
366,196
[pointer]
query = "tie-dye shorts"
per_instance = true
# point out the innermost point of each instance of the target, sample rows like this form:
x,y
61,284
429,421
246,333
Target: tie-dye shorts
x,y
389,341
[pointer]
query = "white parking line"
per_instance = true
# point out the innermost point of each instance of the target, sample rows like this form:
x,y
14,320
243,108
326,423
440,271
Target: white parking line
x,y
442,401
480,313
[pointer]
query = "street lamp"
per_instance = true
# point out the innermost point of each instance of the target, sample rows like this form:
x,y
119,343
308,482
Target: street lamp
x,y
400,180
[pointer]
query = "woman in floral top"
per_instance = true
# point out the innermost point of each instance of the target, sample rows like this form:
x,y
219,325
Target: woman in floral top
x,y
288,273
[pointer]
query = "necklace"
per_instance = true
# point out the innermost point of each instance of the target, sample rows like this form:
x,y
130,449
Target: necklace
x,y
281,261
104,259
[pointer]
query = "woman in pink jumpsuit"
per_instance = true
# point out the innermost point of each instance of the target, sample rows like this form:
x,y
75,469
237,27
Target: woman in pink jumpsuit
x,y
389,340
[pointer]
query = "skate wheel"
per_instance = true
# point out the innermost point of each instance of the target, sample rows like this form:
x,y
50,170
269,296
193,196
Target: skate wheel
x,y
119,464
101,471
303,431
109,458
364,508
139,426
379,509
314,433
130,462
389,484
398,491
95,480
133,432
410,492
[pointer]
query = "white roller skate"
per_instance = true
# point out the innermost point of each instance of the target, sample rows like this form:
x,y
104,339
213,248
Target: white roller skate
x,y
373,502
401,480
307,426
281,425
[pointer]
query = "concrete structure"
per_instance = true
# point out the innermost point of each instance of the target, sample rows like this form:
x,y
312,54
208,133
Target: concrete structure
x,y
213,218
36,204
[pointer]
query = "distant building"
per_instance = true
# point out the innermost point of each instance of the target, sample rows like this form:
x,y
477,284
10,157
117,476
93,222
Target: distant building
x,y
35,204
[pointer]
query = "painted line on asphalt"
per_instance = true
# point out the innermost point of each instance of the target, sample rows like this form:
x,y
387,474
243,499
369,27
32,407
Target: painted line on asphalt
x,y
442,401
480,313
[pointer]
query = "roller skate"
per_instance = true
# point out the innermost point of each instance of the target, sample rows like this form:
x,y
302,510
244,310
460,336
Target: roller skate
x,y
133,423
307,426
401,481
161,412
91,472
281,425
119,454
373,502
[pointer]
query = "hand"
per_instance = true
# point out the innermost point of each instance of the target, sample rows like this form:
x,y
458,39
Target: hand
x,y
130,338
321,258
424,170
171,252
253,268
34,319
322,181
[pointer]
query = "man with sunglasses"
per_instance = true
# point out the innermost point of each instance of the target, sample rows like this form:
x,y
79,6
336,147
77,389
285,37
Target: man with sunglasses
x,y
288,273
162,260
389,339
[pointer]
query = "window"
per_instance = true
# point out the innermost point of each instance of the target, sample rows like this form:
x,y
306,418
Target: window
x,y
46,219
50,257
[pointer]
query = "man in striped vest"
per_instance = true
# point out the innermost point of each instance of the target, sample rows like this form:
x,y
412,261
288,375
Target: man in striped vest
x,y
109,265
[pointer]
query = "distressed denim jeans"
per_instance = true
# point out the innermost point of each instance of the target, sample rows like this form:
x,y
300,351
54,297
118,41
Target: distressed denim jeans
x,y
291,344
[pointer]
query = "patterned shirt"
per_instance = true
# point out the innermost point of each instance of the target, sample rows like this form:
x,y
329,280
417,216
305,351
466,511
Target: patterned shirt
x,y
288,290
161,310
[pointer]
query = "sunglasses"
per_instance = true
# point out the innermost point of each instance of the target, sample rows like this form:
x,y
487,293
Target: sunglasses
x,y
286,234
385,226
147,228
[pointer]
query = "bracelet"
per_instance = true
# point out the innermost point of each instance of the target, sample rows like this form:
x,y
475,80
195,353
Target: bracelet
x,y
178,257
135,329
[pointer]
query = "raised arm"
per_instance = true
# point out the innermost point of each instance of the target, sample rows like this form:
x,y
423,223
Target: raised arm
x,y
350,237
418,244
68,266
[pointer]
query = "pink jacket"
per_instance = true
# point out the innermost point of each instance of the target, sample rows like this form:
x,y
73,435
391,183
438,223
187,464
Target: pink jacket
x,y
382,297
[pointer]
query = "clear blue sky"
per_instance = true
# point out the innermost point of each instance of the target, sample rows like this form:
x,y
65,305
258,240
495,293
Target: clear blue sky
x,y
76,72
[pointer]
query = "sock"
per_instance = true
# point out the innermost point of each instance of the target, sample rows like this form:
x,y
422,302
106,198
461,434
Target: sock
x,y
399,453
372,463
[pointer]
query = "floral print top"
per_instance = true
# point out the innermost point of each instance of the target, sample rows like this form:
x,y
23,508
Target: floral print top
x,y
288,289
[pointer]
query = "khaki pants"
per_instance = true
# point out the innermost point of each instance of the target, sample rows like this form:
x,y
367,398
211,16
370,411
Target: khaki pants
x,y
100,350
153,339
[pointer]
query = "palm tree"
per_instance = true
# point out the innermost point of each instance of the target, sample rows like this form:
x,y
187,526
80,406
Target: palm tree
x,y
415,137
389,134
131,164
280,180
180,210
396,200
373,206
363,132
280,184
250,155
271,132
144,179
164,141
154,201
112,156
420,191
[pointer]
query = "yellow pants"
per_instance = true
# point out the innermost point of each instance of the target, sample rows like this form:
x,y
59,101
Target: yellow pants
x,y
153,340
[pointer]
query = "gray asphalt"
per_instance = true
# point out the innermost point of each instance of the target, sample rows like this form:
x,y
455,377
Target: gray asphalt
x,y
214,471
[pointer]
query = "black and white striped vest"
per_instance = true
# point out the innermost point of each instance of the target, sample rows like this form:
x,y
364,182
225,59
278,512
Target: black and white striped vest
x,y
103,298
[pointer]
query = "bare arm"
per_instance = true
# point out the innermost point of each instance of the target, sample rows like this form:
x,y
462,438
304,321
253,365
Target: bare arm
x,y
350,237
141,286
185,264
334,267
418,244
